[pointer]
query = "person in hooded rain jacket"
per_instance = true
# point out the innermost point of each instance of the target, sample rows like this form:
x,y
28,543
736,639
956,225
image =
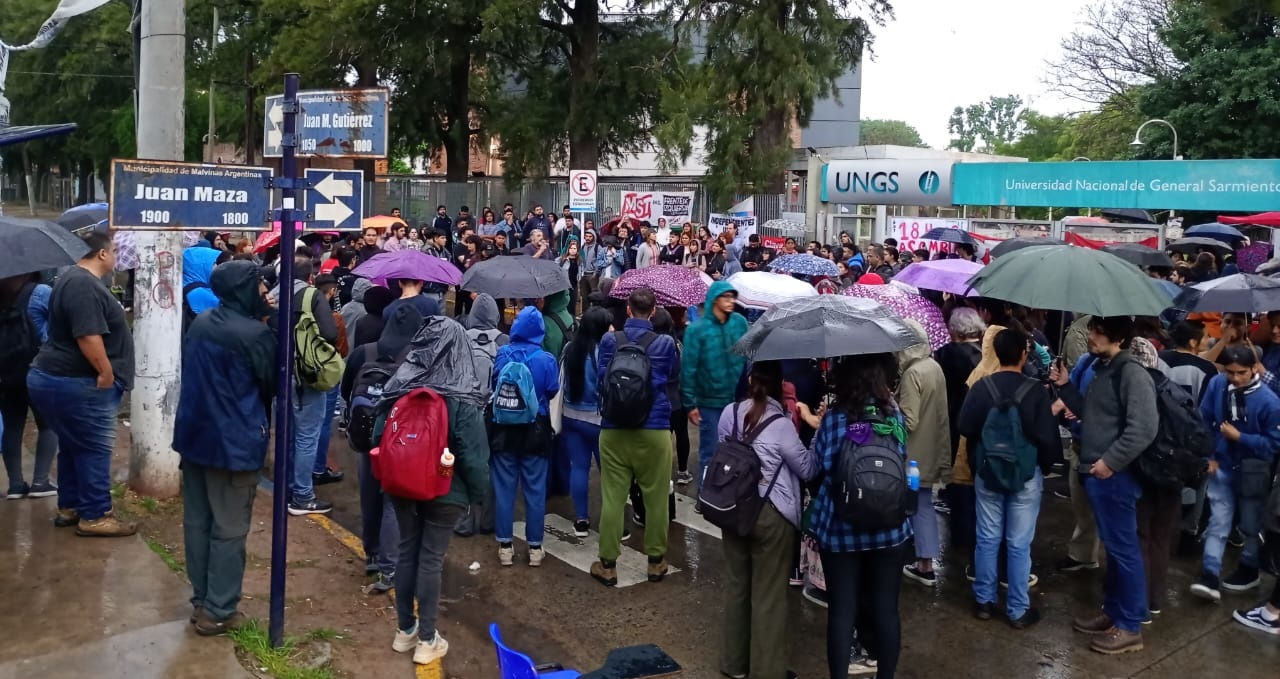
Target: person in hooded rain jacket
x,y
486,339
922,398
555,307
197,296
222,432
354,310
709,371
521,453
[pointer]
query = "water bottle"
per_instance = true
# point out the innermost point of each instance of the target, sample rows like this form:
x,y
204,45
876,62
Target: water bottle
x,y
913,476
446,465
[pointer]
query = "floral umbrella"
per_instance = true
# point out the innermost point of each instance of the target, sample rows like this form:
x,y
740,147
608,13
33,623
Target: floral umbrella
x,y
805,265
674,285
907,305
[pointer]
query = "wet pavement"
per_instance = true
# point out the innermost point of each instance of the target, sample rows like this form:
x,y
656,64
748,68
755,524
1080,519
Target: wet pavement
x,y
94,607
557,613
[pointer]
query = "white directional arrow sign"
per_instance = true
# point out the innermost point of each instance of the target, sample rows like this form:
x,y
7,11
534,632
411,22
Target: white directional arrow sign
x,y
336,212
331,187
275,124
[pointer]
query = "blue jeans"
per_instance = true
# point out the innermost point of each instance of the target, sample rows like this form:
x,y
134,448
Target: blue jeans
x,y
326,431
379,531
1012,519
308,419
530,471
708,437
1223,506
1115,507
84,418
583,442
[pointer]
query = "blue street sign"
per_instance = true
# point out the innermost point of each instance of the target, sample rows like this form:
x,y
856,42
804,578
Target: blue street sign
x,y
159,193
335,123
335,199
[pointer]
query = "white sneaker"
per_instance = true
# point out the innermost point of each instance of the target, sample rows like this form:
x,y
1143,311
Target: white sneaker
x,y
430,651
535,556
405,641
506,555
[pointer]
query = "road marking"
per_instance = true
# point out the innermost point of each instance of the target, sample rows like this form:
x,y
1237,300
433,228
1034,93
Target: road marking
x,y
560,542
685,516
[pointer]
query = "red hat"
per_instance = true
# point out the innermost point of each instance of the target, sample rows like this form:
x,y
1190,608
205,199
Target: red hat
x,y
870,279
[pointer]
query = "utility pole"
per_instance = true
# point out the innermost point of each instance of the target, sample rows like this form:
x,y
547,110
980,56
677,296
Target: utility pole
x,y
211,136
157,329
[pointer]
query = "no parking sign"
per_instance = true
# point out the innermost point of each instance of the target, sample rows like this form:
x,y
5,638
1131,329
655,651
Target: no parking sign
x,y
582,190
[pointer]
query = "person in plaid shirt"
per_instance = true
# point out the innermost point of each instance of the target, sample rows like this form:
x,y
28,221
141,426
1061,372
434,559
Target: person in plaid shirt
x,y
863,569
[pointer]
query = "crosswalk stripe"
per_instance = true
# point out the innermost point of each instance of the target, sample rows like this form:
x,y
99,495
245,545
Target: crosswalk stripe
x,y
560,542
685,516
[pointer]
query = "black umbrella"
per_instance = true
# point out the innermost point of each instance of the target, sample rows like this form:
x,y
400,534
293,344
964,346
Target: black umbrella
x,y
1194,243
949,235
35,245
1139,254
81,218
1125,215
519,276
1238,293
1004,247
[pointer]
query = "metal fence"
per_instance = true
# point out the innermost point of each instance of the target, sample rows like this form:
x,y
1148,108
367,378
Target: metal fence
x,y
418,197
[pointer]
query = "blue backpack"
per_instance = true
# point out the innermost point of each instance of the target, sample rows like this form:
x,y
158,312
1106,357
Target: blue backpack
x,y
515,401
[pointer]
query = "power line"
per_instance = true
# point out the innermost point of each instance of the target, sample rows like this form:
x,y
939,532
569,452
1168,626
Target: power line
x,y
73,75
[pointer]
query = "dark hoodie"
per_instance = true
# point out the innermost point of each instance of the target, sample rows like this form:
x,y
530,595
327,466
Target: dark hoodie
x,y
397,333
228,377
369,327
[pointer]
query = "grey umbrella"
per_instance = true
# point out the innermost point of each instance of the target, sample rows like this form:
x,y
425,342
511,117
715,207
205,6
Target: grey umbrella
x,y
1007,246
31,245
822,327
519,276
1139,254
1238,293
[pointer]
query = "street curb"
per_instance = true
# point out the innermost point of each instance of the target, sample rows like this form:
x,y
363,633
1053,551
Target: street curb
x,y
352,542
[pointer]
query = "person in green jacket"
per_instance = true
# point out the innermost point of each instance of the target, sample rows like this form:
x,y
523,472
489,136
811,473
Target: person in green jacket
x,y
710,371
559,322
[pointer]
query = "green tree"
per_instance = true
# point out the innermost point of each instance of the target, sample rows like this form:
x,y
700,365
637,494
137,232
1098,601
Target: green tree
x,y
891,132
996,121
764,66
1224,95
1043,138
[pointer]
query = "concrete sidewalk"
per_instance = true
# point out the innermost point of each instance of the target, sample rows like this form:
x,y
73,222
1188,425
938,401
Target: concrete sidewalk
x,y
95,607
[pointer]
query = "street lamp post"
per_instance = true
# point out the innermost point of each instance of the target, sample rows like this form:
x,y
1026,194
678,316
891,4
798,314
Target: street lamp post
x,y
1137,136
1137,141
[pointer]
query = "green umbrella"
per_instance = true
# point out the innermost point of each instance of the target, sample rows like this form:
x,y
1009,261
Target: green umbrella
x,y
1071,279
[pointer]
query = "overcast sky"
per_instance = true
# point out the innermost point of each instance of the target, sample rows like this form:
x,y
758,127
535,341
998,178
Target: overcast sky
x,y
939,54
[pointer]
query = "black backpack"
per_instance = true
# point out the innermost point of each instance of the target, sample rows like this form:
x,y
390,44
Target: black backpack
x,y
869,480
730,491
626,397
188,315
366,395
1179,456
19,341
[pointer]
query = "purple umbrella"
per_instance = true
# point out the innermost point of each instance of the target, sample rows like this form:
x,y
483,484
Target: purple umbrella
x,y
674,285
413,265
907,305
947,275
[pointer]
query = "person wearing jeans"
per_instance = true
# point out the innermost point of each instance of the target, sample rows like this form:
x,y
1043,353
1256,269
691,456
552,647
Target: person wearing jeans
x,y
76,384
221,431
320,471
709,371
1245,417
15,402
580,430
1118,419
522,452
1008,517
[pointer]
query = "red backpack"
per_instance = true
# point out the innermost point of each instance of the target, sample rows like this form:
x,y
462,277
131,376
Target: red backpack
x,y
408,463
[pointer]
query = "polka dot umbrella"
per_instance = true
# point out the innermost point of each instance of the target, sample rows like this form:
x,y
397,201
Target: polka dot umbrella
x,y
907,305
674,285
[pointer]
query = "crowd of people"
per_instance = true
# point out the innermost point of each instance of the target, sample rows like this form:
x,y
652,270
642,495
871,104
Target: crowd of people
x,y
529,402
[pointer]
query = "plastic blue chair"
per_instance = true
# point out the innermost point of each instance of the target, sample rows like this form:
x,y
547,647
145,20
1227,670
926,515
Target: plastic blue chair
x,y
516,665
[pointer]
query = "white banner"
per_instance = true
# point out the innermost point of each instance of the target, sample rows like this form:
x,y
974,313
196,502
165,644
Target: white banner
x,y
908,230
746,225
649,206
65,10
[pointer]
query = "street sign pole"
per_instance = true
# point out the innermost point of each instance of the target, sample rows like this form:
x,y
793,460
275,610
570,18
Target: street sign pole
x,y
288,216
